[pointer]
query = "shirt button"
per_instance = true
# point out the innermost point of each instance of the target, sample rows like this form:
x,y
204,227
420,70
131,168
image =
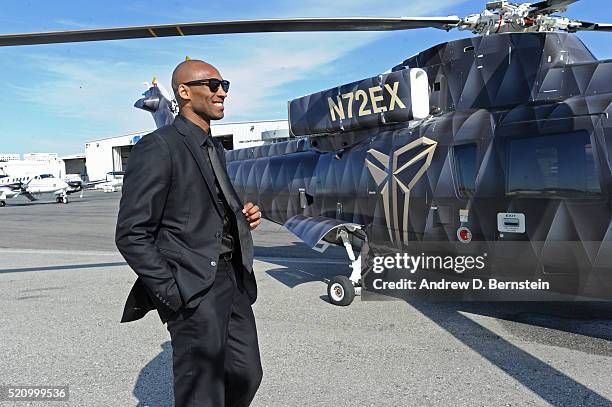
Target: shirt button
x,y
213,263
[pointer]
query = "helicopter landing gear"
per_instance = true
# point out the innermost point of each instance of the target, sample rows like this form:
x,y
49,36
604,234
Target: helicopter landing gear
x,y
2,203
341,290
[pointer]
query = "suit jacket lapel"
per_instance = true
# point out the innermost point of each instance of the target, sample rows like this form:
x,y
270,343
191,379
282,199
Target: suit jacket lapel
x,y
193,143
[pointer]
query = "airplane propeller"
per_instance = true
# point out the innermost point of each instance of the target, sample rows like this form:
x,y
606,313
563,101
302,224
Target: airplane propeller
x,y
76,186
16,186
499,16
23,189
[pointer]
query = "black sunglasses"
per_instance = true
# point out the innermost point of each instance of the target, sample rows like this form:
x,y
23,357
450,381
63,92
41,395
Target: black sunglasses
x,y
212,83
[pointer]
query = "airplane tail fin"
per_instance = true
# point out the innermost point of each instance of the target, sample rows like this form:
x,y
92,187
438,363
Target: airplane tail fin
x,y
159,102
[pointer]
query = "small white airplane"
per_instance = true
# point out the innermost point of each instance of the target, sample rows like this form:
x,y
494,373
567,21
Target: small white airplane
x,y
32,187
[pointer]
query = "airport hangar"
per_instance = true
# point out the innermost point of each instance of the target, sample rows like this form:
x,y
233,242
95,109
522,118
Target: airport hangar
x,y
35,164
111,154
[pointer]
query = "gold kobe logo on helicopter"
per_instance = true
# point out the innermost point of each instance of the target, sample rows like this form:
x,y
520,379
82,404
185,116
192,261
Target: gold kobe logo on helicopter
x,y
372,98
393,183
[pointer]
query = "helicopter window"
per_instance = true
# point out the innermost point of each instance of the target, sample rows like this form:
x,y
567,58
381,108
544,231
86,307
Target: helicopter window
x,y
553,166
466,168
440,94
600,82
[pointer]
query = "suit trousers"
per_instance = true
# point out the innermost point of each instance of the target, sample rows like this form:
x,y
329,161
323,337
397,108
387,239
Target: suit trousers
x,y
215,352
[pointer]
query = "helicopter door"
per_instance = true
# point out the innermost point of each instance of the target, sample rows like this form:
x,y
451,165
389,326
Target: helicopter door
x,y
554,210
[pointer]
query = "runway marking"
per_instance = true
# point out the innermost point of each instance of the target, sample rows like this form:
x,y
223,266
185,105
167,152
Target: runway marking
x,y
266,259
62,252
299,260
63,267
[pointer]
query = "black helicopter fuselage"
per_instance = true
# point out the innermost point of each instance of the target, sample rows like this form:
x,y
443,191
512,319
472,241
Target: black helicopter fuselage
x,y
514,161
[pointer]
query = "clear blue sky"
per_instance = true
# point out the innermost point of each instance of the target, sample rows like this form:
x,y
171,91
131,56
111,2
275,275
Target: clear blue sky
x,y
56,97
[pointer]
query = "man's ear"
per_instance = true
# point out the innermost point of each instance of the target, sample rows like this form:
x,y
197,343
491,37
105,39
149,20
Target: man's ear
x,y
183,92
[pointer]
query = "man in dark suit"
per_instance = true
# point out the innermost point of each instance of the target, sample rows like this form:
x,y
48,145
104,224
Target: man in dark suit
x,y
183,230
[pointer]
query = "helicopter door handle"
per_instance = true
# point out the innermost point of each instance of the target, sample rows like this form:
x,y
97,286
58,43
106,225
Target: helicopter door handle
x,y
303,200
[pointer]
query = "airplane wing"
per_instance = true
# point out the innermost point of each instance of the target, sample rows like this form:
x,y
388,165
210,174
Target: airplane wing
x,y
14,190
91,184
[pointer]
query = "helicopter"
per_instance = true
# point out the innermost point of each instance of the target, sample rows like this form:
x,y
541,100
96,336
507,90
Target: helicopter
x,y
497,144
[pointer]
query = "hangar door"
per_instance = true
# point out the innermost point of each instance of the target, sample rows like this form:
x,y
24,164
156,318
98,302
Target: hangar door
x,y
120,157
227,140
76,166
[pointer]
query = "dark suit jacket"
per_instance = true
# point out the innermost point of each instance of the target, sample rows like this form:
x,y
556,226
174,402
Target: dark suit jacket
x,y
169,225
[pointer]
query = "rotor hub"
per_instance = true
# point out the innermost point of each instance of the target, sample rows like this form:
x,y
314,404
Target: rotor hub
x,y
503,17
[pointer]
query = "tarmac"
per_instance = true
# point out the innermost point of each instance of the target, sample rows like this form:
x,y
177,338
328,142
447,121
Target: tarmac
x,y
63,285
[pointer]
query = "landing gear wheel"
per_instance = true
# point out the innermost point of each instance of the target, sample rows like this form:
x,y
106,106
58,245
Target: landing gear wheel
x,y
64,200
340,291
2,203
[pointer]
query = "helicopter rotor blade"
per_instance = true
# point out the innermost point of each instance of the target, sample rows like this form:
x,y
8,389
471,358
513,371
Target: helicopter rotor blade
x,y
587,26
550,6
232,27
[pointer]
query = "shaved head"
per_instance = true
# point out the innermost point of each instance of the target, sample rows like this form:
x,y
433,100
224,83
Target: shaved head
x,y
191,70
197,101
